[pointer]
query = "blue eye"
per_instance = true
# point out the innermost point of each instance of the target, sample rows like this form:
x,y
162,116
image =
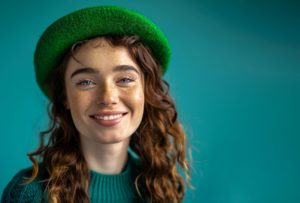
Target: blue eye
x,y
126,80
85,83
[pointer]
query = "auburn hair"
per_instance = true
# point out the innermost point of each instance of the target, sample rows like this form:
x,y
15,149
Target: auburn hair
x,y
159,141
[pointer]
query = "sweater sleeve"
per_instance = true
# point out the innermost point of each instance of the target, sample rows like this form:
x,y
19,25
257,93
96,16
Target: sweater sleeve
x,y
17,191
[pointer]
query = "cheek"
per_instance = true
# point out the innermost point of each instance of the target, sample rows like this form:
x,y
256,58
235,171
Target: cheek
x,y
78,103
135,98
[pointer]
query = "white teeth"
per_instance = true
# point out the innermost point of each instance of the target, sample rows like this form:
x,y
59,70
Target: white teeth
x,y
111,117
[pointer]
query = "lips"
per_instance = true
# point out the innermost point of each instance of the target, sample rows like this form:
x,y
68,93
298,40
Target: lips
x,y
108,118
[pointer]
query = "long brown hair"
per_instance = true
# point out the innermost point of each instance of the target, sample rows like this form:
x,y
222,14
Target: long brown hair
x,y
159,141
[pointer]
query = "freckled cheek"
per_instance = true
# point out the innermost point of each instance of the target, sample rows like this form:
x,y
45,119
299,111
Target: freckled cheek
x,y
79,103
135,98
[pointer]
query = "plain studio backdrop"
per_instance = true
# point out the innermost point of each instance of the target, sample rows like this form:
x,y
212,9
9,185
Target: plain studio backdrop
x,y
234,73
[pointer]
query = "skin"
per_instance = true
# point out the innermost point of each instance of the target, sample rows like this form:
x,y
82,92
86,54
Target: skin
x,y
104,79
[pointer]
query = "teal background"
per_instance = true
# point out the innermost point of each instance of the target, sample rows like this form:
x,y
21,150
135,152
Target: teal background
x,y
235,76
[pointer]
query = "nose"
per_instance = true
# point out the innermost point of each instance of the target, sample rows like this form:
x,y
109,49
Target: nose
x,y
107,95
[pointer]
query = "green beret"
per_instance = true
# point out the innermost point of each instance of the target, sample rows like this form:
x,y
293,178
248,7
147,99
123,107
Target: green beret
x,y
91,22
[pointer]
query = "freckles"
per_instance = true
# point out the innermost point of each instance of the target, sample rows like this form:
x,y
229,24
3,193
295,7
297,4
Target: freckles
x,y
135,98
79,100
135,93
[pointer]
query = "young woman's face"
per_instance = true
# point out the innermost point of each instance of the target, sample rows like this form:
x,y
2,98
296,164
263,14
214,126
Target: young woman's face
x,y
105,95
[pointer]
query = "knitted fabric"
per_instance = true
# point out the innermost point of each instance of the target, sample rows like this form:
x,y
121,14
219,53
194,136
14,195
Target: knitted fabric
x,y
91,22
103,188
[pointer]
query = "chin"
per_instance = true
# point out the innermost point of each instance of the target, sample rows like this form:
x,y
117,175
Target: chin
x,y
111,139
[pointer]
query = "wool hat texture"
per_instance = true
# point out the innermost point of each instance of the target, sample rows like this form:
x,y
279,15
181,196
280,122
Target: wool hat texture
x,y
92,22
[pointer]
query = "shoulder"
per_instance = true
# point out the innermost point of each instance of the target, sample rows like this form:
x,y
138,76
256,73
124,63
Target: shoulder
x,y
19,191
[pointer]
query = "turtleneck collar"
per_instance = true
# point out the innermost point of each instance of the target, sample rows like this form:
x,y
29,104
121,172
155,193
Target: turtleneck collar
x,y
114,187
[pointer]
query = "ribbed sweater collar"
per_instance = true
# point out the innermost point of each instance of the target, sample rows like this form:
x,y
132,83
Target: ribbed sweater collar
x,y
115,187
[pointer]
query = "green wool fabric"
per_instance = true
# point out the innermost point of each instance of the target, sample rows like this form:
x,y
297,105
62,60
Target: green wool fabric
x,y
92,22
103,188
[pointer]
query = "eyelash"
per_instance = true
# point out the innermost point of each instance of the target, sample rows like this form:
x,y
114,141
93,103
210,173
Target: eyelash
x,y
128,80
85,83
88,83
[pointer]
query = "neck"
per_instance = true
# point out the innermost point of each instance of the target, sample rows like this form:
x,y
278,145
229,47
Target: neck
x,y
105,158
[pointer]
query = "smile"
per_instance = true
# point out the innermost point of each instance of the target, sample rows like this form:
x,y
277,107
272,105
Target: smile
x,y
111,117
108,119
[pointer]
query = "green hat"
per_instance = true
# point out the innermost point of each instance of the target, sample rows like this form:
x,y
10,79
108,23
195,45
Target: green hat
x,y
91,22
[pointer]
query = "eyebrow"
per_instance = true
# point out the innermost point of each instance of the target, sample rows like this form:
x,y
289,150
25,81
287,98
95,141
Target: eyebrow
x,y
126,68
89,70
84,70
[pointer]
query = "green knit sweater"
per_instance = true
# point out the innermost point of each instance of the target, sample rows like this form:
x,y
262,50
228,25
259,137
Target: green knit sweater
x,y
103,188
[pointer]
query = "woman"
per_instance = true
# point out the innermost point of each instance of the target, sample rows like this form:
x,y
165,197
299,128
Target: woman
x,y
114,135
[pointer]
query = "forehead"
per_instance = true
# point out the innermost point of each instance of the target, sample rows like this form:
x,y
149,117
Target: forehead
x,y
98,42
99,53
96,45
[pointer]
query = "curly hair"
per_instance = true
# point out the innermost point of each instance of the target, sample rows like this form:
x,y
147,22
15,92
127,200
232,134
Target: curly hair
x,y
159,141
